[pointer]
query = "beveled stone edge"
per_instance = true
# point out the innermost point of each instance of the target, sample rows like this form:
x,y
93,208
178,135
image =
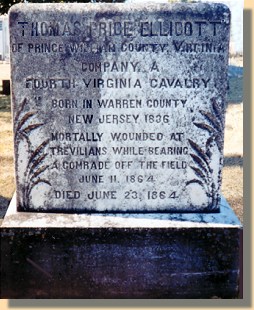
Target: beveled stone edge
x,y
121,7
224,219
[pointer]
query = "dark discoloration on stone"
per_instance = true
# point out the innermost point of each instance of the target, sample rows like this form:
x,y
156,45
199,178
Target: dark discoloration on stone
x,y
121,256
169,64
120,263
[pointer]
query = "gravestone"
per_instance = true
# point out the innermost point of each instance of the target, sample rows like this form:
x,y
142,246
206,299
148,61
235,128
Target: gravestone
x,y
119,108
6,87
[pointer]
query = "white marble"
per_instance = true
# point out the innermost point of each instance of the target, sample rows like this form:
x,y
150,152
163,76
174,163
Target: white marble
x,y
119,107
225,218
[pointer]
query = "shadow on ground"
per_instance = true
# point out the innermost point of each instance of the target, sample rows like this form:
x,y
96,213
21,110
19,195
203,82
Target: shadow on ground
x,y
4,203
235,81
233,161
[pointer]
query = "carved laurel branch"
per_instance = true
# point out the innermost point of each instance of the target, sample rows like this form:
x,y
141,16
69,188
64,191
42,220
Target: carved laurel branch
x,y
35,166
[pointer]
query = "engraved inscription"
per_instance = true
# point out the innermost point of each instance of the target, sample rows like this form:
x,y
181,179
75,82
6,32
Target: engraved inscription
x,y
119,108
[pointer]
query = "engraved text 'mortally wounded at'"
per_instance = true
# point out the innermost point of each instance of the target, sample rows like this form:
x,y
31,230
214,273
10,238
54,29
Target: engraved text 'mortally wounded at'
x,y
120,107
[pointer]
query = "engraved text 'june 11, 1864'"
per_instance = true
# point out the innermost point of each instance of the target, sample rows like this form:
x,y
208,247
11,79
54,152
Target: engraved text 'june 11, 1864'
x,y
119,108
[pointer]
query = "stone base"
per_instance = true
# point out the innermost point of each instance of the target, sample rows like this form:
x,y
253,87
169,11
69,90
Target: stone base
x,y
173,256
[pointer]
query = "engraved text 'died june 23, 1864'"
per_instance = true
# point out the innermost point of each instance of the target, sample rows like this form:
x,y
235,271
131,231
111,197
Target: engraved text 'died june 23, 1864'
x,y
119,107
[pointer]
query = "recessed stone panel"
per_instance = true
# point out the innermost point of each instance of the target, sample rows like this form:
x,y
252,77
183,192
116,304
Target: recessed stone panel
x,y
119,107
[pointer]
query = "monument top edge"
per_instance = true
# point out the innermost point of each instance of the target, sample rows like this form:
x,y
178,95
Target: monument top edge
x,y
119,7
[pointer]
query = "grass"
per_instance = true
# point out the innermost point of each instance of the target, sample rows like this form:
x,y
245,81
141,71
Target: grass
x,y
6,154
5,105
232,184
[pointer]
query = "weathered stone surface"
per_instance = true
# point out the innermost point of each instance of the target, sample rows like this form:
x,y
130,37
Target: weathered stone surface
x,y
121,255
119,107
225,218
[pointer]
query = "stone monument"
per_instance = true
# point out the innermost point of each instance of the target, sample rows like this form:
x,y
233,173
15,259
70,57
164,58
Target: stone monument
x,y
119,119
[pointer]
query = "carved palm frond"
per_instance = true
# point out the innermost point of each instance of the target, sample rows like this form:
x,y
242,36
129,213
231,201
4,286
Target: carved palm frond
x,y
36,163
24,119
23,104
204,127
194,181
39,171
37,152
208,147
213,124
199,151
197,160
32,127
218,111
211,119
219,142
198,173
35,166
